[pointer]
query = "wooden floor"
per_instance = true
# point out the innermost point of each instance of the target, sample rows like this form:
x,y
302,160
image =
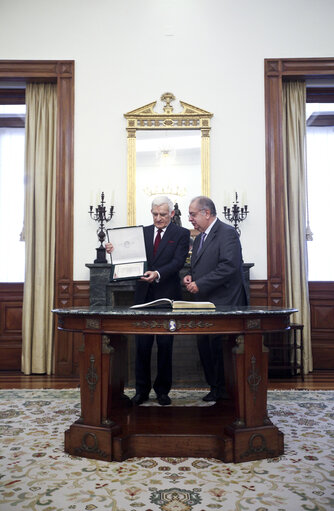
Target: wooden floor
x,y
317,380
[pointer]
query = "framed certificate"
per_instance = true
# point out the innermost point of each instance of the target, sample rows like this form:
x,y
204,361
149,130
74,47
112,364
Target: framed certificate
x,y
128,258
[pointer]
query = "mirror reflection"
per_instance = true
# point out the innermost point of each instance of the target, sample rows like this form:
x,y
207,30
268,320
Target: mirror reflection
x,y
167,163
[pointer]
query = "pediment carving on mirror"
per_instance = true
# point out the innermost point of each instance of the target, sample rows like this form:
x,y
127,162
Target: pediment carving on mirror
x,y
191,117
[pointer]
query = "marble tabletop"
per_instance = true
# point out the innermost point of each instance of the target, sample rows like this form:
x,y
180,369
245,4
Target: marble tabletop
x,y
219,311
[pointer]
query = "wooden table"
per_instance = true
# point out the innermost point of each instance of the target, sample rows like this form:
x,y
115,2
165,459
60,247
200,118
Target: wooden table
x,y
234,430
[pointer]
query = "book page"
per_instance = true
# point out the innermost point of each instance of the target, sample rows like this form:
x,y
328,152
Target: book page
x,y
128,244
179,304
129,270
159,303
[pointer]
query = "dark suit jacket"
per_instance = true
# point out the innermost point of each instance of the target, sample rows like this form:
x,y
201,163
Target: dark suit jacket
x,y
217,270
168,261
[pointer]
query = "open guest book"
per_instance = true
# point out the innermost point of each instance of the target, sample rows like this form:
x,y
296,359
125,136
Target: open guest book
x,y
163,303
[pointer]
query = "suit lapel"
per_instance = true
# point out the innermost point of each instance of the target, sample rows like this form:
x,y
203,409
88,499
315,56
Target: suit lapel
x,y
149,233
164,240
206,244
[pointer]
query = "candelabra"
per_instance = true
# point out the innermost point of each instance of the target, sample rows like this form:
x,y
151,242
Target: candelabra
x,y
235,214
100,216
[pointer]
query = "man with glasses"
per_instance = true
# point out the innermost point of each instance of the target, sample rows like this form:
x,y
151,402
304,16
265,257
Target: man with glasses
x,y
217,276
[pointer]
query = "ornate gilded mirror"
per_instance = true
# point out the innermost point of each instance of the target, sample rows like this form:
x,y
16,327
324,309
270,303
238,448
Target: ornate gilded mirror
x,y
168,154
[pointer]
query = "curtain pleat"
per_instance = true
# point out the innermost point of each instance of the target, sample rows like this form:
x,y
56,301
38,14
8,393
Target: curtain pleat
x,y
40,188
295,194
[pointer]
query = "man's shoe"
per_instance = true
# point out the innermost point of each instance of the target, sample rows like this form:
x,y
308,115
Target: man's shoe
x,y
211,396
164,400
215,395
138,399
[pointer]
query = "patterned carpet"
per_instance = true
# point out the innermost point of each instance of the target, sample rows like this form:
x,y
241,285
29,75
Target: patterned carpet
x,y
36,474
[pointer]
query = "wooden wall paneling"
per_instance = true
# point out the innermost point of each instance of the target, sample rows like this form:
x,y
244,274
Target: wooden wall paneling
x,y
274,184
62,73
321,291
12,318
322,323
64,212
11,291
81,293
33,70
322,315
323,349
63,340
302,68
11,297
258,292
276,71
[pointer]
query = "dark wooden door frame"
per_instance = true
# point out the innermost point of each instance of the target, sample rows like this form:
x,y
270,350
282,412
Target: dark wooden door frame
x,y
60,72
277,71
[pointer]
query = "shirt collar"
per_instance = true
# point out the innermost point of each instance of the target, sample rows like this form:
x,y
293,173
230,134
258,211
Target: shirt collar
x,y
162,230
208,229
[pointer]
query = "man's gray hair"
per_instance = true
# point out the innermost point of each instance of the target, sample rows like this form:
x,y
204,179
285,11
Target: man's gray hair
x,y
204,202
163,199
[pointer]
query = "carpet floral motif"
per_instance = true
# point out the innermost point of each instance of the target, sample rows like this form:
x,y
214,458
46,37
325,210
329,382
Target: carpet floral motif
x,y
36,474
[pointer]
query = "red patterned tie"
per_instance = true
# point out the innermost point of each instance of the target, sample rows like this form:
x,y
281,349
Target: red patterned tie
x,y
157,241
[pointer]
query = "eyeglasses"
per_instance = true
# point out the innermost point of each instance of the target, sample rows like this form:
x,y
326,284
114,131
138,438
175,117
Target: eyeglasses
x,y
193,214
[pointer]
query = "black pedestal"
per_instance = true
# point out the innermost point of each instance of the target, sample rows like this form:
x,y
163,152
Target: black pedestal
x,y
100,256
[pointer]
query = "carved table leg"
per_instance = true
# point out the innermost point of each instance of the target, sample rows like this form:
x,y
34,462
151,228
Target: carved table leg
x,y
91,436
255,437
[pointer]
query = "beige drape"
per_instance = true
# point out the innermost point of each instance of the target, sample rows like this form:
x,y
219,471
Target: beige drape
x,y
295,194
40,183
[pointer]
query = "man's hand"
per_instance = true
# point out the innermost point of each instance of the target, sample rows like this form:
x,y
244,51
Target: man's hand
x,y
190,285
109,247
150,276
187,279
192,288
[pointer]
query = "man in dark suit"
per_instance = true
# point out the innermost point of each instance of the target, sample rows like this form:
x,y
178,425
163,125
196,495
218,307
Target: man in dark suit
x,y
167,247
216,276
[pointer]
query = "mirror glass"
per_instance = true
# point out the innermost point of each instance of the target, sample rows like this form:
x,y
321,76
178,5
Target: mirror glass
x,y
168,162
